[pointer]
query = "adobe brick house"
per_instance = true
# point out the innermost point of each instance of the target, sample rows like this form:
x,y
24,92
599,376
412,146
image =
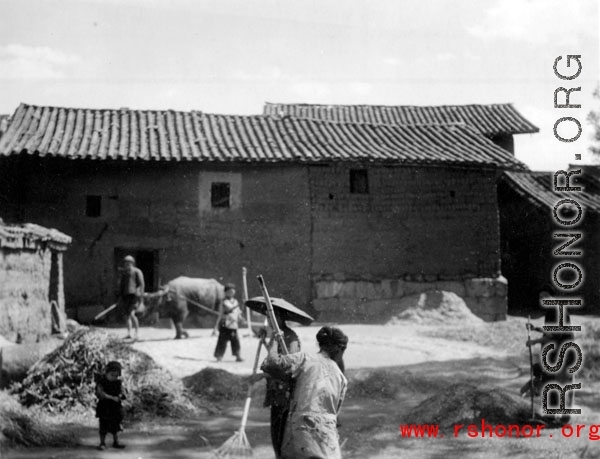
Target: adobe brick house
x,y
31,278
340,218
527,200
497,122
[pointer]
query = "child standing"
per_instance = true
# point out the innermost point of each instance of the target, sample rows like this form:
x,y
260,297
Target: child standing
x,y
228,323
109,410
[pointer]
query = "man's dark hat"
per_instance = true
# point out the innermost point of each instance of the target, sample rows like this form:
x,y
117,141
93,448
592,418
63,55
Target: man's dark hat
x,y
332,336
230,286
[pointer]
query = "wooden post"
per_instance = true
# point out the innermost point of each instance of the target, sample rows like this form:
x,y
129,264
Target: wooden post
x,y
245,298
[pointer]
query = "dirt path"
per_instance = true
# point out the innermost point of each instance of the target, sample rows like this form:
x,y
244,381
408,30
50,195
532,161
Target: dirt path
x,y
369,425
371,346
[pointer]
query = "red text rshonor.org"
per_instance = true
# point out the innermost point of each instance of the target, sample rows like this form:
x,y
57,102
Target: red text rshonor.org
x,y
486,430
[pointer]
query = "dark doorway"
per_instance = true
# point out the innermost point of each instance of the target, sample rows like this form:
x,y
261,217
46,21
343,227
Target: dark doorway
x,y
145,259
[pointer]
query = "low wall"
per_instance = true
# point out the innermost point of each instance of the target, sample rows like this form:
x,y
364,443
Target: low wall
x,y
376,301
25,313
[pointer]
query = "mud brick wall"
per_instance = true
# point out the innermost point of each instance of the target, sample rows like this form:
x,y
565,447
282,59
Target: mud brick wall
x,y
417,227
166,208
429,223
24,288
295,224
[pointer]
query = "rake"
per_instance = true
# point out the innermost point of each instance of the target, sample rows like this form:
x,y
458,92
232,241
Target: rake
x,y
238,445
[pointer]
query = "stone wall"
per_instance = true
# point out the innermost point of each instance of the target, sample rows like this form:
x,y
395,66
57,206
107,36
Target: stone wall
x,y
339,299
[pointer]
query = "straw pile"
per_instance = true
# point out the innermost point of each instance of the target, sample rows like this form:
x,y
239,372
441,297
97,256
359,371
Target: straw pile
x,y
23,427
382,384
467,404
64,379
435,307
217,385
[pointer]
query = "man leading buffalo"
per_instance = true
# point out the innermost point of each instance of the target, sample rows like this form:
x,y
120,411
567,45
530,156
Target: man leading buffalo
x,y
131,292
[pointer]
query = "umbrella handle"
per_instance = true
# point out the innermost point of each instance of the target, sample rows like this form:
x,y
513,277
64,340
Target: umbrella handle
x,y
271,315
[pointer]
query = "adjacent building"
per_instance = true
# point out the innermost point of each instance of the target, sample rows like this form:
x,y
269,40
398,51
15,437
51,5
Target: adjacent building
x,y
528,227
32,302
497,122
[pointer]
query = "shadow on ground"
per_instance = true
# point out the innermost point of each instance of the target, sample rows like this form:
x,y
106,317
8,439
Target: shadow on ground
x,y
377,403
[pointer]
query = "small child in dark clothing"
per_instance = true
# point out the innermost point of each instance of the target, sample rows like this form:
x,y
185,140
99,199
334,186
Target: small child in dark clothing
x,y
109,410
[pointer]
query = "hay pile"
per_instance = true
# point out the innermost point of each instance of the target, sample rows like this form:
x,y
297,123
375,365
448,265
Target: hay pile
x,y
23,427
435,307
467,404
217,385
64,379
385,384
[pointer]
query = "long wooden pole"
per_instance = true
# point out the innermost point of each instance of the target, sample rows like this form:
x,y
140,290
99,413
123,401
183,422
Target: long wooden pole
x,y
271,316
106,311
245,298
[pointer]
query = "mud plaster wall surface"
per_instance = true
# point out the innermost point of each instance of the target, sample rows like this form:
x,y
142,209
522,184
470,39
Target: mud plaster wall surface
x,y
429,222
163,207
418,229
24,288
295,224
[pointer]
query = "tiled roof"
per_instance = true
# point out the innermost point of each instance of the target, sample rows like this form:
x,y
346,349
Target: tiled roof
x,y
538,188
194,136
29,236
490,120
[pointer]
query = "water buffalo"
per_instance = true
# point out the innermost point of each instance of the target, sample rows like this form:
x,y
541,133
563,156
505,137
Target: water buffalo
x,y
178,296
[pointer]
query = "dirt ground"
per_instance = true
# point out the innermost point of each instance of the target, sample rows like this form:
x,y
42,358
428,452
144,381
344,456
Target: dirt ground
x,y
489,355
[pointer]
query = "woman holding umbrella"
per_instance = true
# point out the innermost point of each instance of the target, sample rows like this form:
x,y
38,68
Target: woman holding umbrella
x,y
279,387
319,390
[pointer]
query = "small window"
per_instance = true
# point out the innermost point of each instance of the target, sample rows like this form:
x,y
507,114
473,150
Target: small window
x,y
220,194
359,181
93,206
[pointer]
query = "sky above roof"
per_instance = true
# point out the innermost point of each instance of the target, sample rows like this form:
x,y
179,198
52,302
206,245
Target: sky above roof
x,y
225,56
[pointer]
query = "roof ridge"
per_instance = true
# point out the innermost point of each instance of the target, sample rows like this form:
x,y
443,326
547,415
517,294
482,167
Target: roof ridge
x,y
120,109
249,116
308,104
112,134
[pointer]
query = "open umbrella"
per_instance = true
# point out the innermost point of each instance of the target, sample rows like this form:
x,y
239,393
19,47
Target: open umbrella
x,y
287,310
